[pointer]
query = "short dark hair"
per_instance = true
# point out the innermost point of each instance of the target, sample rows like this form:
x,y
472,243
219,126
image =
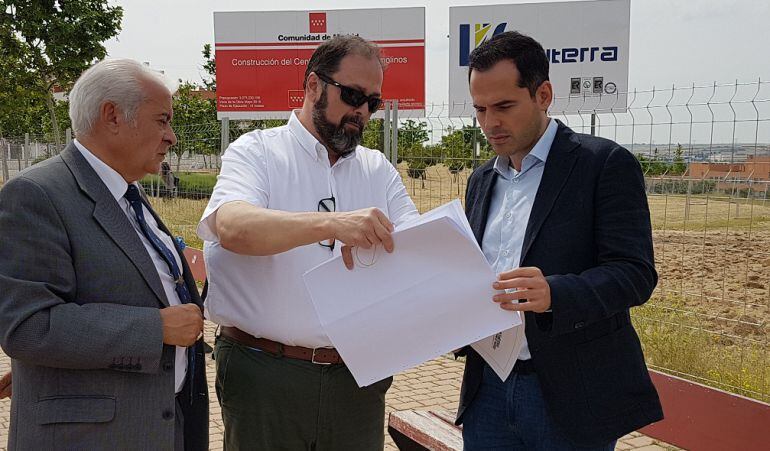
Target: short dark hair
x,y
326,58
526,53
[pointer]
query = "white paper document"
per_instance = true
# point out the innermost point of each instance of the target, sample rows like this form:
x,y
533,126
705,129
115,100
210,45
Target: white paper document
x,y
432,295
501,350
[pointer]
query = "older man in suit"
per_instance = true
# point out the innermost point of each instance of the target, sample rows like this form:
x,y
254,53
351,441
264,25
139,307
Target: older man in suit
x,y
563,217
98,310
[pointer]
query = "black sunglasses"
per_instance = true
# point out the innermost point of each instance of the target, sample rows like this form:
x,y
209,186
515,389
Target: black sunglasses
x,y
327,205
354,97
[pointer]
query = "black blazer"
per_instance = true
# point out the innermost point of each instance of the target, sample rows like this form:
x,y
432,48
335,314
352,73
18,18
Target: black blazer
x,y
589,232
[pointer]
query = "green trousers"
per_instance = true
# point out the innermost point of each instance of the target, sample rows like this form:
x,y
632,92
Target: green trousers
x,y
278,403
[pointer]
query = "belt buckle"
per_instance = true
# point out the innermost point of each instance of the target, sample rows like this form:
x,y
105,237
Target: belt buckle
x,y
313,360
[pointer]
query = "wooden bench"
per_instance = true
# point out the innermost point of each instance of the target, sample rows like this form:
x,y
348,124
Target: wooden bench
x,y
418,430
697,417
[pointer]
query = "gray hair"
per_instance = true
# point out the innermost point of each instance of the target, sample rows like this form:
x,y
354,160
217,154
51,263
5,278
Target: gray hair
x,y
115,80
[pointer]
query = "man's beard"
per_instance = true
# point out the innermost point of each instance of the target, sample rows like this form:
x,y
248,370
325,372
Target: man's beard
x,y
336,137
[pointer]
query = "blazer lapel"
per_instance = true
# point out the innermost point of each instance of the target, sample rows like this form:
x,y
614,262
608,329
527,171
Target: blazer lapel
x,y
558,167
113,220
484,197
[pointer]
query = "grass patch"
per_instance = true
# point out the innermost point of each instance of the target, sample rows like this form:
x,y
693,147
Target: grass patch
x,y
181,216
708,213
192,185
678,342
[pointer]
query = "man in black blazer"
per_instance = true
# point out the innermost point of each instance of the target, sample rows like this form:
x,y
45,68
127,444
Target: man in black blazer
x,y
564,220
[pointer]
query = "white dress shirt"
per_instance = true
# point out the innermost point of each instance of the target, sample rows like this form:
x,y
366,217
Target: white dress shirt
x,y
512,198
117,186
287,169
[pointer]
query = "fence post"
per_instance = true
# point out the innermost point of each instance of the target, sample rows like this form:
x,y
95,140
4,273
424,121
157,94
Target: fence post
x,y
5,147
394,143
68,136
386,131
473,144
225,135
26,150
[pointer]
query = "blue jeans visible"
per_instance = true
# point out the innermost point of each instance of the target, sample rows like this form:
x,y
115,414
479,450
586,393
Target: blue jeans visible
x,y
512,415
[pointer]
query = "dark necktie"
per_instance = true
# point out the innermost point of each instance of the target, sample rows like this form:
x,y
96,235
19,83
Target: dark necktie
x,y
136,201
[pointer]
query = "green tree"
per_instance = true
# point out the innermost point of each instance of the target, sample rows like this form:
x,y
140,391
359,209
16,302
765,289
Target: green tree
x,y
457,150
17,102
679,167
194,123
373,135
61,109
473,136
419,158
210,66
52,42
410,133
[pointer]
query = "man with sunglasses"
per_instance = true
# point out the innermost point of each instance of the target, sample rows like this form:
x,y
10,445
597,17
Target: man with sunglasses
x,y
287,199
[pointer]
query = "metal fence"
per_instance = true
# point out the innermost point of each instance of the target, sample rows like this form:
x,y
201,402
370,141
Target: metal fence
x,y
705,151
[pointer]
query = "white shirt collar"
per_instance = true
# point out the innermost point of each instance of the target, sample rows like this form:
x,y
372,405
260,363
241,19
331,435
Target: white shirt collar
x,y
114,181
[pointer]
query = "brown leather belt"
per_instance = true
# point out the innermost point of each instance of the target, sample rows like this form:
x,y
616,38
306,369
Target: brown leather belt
x,y
321,356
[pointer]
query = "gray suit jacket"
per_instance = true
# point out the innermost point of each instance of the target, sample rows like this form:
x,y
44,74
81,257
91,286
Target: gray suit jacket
x,y
79,316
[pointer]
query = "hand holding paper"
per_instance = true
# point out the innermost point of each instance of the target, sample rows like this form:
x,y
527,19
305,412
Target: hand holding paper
x,y
425,299
523,284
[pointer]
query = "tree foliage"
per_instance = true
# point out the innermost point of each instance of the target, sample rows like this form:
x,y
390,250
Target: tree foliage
x,y
193,116
654,165
49,43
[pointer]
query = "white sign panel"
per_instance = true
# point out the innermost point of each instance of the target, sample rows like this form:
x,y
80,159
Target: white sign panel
x,y
586,44
261,56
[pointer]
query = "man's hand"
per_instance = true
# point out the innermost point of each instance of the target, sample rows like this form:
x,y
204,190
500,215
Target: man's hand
x,y
182,324
364,228
530,285
5,386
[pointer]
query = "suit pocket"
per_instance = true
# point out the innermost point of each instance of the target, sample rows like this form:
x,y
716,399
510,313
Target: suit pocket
x,y
613,373
75,409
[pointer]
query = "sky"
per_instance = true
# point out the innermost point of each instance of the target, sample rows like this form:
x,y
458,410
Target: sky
x,y
672,42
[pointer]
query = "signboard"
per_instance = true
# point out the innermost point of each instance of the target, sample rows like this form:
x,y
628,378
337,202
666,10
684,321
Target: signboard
x,y
586,44
261,56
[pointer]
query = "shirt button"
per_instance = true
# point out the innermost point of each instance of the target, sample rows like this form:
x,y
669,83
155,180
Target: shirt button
x,y
506,253
168,414
509,215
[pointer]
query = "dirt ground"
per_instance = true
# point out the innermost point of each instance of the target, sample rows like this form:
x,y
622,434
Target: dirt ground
x,y
711,251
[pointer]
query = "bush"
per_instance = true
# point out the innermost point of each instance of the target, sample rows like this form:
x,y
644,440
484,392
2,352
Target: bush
x,y
39,158
192,185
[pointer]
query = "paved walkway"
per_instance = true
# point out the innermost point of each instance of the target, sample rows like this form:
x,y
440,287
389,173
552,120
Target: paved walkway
x,y
433,385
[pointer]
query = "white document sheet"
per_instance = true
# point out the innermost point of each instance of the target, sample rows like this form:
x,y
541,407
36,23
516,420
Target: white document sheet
x,y
501,350
432,295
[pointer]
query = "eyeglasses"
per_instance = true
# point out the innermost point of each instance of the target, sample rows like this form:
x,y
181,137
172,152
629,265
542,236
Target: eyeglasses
x,y
327,205
354,97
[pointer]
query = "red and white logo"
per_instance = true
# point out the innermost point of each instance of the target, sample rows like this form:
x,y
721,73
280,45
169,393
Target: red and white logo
x,y
317,22
296,98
